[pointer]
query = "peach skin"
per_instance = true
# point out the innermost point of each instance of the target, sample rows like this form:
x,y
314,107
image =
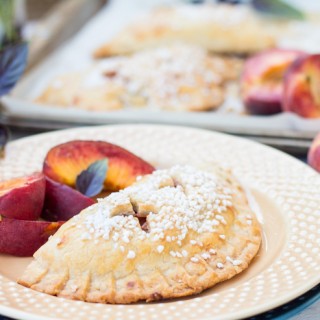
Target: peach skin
x,y
66,161
62,202
302,87
262,80
314,153
22,237
22,198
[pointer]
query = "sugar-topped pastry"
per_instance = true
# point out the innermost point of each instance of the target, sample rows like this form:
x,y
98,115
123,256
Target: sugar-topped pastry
x,y
177,77
217,27
173,233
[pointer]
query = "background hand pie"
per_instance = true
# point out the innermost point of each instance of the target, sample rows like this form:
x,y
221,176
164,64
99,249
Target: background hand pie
x,y
177,78
218,28
178,232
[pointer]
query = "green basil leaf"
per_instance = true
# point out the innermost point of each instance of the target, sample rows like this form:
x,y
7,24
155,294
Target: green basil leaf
x,y
277,8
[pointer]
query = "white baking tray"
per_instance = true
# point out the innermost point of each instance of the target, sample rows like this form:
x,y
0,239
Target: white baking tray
x,y
77,54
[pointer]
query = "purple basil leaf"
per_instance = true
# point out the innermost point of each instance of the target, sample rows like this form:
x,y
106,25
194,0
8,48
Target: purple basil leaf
x,y
90,181
13,60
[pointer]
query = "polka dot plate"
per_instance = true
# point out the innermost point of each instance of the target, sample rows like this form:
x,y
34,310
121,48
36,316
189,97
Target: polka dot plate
x,y
287,195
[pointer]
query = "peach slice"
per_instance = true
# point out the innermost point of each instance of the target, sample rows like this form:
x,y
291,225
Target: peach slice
x,y
66,161
22,237
314,153
62,202
22,198
302,87
262,80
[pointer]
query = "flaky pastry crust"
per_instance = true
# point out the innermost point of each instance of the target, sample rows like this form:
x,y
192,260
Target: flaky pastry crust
x,y
174,233
176,78
218,28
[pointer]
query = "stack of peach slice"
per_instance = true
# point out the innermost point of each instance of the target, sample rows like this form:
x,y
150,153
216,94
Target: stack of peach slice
x,y
21,202
282,80
32,208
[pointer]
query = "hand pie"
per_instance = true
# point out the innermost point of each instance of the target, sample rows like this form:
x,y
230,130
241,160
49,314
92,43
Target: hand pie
x,y
86,90
173,233
218,28
179,78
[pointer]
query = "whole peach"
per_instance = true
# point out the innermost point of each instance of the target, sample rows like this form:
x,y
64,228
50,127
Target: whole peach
x,y
314,153
302,87
262,80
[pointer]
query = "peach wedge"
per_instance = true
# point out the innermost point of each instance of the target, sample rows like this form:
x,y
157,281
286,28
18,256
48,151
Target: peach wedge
x,y
22,237
22,198
62,202
66,161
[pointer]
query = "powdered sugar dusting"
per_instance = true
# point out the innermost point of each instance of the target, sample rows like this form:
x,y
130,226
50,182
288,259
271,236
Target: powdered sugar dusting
x,y
131,254
177,202
170,76
176,77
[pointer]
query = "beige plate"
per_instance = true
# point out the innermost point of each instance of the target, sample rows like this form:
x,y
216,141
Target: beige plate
x,y
286,191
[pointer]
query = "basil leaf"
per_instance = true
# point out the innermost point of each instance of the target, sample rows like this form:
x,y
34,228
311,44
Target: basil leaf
x,y
13,60
277,8
90,181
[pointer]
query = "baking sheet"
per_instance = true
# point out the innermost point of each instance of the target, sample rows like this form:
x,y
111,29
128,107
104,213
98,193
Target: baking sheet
x,y
77,54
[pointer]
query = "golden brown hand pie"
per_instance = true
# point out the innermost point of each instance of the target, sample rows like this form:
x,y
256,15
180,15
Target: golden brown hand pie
x,y
218,28
179,77
85,90
173,233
